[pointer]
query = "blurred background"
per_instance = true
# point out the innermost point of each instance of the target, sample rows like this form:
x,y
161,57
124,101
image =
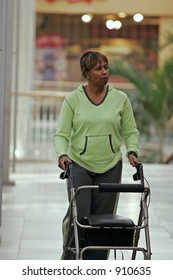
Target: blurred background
x,y
41,42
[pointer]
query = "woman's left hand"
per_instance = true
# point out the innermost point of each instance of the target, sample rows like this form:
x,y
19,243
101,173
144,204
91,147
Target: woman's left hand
x,y
133,160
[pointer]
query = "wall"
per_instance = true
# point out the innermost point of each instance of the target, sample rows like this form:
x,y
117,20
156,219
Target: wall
x,y
147,7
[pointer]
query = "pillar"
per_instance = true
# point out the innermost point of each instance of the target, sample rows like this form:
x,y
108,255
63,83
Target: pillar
x,y
165,28
23,73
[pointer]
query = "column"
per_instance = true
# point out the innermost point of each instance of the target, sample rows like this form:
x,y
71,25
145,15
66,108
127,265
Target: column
x,y
23,73
6,23
165,28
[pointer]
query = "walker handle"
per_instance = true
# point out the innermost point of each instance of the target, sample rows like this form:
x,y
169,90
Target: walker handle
x,y
113,187
65,174
139,175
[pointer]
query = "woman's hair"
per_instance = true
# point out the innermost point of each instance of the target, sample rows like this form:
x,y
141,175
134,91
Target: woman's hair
x,y
89,59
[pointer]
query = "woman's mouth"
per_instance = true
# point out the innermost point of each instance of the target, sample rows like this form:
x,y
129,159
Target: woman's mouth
x,y
105,79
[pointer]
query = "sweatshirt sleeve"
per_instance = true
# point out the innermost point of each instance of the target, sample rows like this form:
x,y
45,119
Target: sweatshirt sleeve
x,y
64,127
129,129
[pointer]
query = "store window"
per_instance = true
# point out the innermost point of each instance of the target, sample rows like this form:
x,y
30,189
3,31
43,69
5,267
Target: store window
x,y
61,39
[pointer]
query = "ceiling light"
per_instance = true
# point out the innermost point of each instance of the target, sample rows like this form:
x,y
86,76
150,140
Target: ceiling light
x,y
138,17
117,24
87,18
122,15
110,24
113,24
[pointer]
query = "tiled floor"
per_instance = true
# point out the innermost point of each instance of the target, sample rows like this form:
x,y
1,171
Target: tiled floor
x,y
33,208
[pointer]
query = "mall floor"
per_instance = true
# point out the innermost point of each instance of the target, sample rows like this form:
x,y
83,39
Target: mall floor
x,y
33,208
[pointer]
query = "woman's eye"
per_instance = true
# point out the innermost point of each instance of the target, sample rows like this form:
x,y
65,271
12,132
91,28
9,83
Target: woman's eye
x,y
101,67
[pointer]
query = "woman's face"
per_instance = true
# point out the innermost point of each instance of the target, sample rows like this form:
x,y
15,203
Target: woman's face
x,y
99,74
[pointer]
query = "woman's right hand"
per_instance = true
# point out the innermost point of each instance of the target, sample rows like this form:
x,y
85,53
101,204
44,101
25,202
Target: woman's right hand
x,y
63,161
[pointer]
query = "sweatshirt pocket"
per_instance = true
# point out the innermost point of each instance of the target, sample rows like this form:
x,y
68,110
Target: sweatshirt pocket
x,y
98,147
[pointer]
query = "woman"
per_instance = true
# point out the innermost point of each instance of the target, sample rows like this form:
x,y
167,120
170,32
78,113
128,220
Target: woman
x,y
94,119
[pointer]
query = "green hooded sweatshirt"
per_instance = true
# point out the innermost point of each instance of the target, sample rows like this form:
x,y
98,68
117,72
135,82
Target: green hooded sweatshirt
x,y
92,134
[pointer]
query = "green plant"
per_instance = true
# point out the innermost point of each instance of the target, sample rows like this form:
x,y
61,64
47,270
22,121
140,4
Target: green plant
x,y
153,98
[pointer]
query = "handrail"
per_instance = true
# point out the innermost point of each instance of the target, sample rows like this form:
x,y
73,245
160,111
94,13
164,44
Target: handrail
x,y
74,84
43,93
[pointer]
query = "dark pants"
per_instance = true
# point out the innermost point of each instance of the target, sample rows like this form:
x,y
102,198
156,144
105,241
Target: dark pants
x,y
92,201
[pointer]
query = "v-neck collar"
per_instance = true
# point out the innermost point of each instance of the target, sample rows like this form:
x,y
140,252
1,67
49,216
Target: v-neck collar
x,y
96,104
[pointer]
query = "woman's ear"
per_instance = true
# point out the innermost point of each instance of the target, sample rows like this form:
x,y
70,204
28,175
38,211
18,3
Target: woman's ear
x,y
87,75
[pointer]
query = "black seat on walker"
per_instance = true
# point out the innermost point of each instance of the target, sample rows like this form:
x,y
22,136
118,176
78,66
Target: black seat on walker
x,y
109,220
107,230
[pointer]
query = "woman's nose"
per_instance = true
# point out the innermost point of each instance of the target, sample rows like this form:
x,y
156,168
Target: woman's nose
x,y
104,70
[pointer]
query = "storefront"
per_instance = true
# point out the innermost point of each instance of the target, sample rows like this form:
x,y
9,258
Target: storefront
x,y
61,39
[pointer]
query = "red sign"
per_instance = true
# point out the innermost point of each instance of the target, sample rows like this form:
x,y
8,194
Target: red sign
x,y
72,1
52,40
75,1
